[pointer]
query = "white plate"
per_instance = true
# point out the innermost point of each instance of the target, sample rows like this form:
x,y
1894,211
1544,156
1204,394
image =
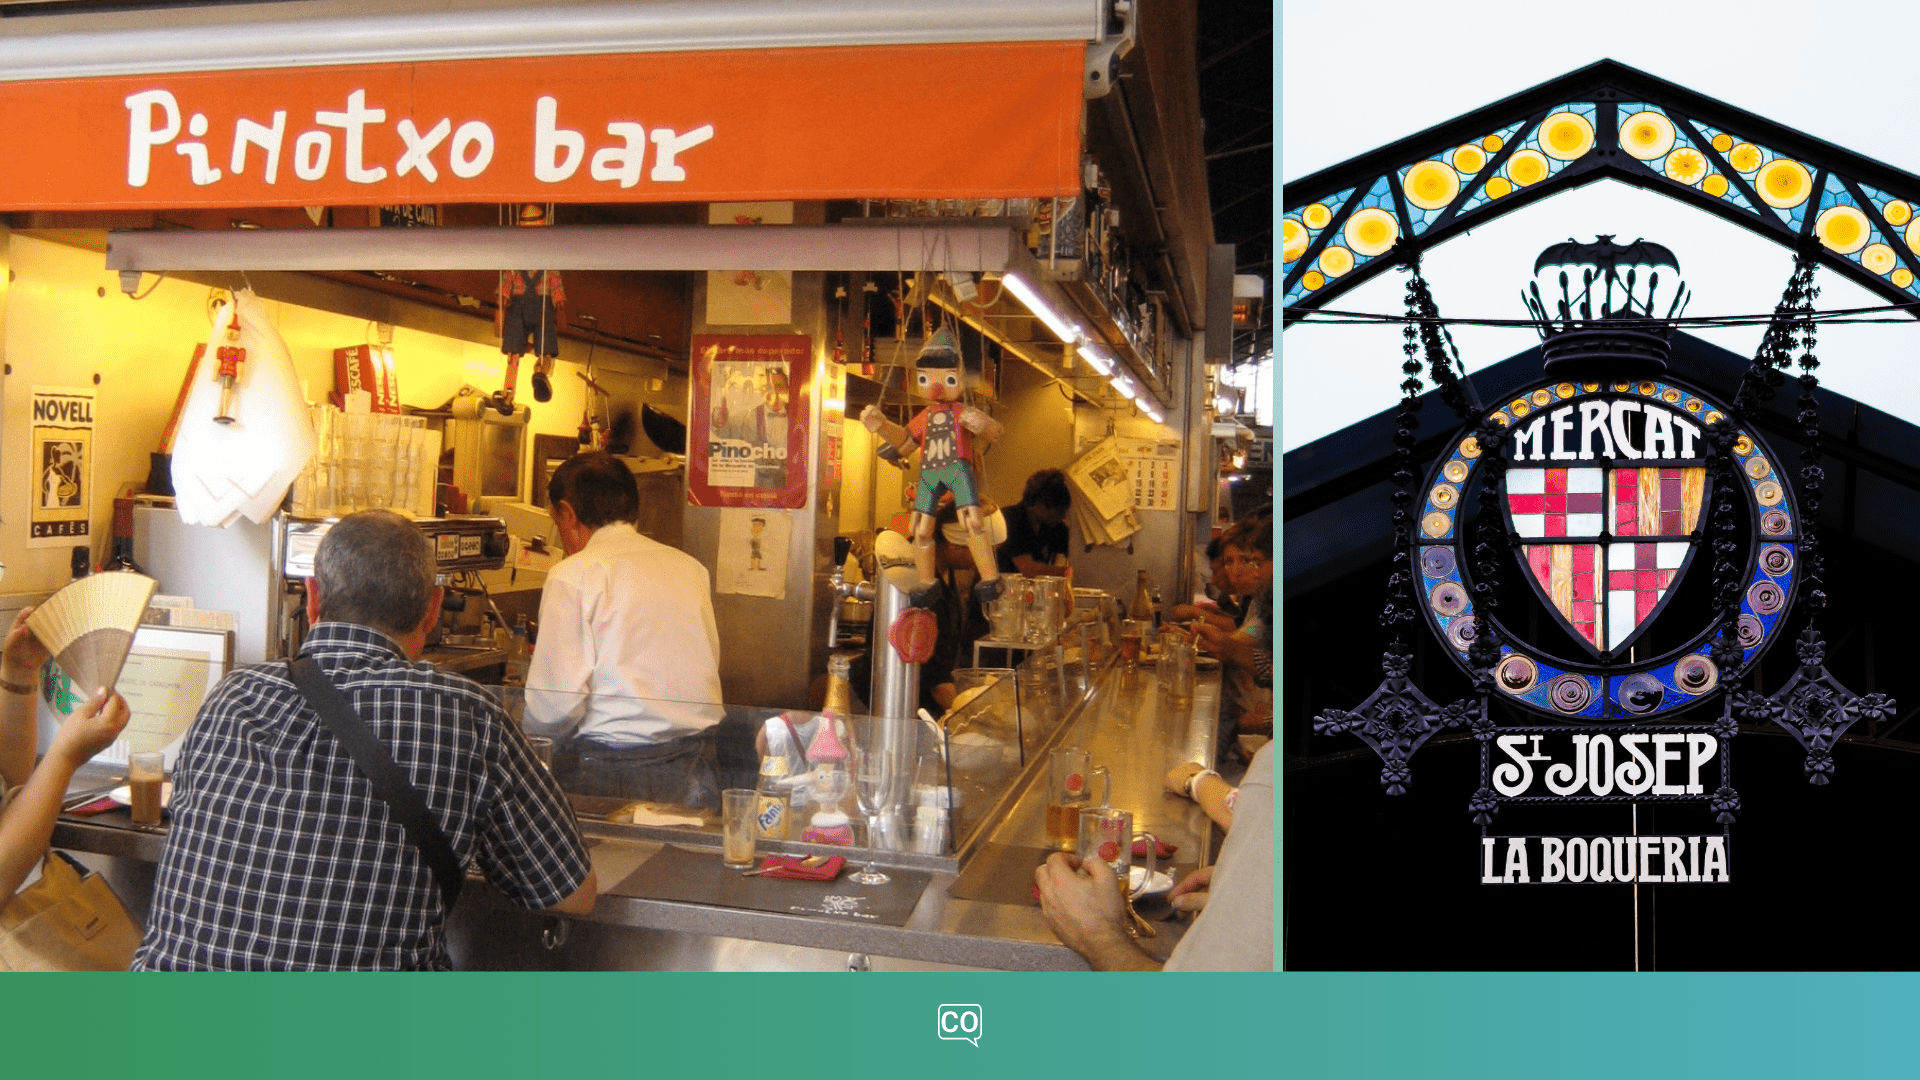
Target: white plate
x,y
124,794
1141,888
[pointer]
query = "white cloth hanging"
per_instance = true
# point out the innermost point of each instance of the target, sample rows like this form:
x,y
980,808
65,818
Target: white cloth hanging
x,y
224,471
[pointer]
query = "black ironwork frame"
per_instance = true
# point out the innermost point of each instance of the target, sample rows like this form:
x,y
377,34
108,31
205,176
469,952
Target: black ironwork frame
x,y
1604,84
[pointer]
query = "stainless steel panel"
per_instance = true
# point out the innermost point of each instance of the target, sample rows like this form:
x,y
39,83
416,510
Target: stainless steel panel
x,y
404,31
977,245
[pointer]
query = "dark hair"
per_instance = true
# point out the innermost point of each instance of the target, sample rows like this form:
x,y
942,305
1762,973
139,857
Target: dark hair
x,y
598,486
1215,546
1048,487
1255,534
375,569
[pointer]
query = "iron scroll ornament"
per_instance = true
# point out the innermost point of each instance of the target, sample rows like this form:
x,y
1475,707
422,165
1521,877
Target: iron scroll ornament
x,y
1601,688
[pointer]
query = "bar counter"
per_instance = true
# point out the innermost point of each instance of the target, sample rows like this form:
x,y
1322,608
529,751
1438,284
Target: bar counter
x,y
1124,722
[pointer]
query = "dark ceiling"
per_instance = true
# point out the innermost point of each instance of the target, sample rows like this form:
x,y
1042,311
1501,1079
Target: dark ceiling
x,y
1236,102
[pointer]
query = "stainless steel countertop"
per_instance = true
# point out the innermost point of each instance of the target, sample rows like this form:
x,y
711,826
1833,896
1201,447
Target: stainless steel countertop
x,y
1124,725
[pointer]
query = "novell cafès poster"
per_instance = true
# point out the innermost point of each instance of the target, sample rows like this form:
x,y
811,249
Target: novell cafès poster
x,y
747,439
61,457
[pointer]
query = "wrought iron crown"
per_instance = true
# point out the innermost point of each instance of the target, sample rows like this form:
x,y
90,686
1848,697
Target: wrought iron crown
x,y
1624,339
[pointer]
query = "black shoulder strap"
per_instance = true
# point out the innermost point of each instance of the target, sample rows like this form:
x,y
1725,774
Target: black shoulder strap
x,y
378,766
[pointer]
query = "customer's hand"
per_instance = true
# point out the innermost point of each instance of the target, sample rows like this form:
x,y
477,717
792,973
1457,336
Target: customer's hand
x,y
92,728
1180,776
22,655
1081,902
1191,893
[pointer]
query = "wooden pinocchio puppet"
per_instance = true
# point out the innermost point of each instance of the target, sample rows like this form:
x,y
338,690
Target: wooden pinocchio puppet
x,y
950,436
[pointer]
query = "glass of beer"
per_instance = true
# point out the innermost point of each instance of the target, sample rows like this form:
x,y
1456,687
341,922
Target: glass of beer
x,y
1132,632
737,827
1070,792
146,771
1107,836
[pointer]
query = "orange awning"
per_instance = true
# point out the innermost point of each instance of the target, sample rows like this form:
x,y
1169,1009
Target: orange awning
x,y
948,121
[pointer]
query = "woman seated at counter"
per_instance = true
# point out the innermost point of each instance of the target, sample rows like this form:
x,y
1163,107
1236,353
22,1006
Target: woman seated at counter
x,y
1036,543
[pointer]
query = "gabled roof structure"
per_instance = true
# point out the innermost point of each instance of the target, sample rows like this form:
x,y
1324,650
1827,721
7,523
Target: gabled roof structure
x,y
1344,224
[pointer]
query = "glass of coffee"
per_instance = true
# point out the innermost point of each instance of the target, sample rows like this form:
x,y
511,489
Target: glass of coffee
x,y
1070,792
146,771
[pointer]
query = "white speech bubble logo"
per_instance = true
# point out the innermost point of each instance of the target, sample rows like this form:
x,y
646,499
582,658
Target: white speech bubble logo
x,y
964,1023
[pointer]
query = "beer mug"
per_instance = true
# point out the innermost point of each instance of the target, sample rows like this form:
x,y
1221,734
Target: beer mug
x,y
1068,794
1106,835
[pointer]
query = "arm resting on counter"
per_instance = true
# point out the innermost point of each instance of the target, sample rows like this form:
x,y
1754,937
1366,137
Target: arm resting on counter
x,y
583,898
1203,786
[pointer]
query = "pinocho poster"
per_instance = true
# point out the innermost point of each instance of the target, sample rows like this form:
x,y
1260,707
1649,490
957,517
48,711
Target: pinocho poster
x,y
61,454
748,434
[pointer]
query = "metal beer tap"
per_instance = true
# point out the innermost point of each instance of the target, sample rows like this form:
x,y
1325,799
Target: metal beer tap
x,y
841,589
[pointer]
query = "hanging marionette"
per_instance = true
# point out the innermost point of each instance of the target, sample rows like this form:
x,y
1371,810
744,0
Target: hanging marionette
x,y
950,436
229,357
527,317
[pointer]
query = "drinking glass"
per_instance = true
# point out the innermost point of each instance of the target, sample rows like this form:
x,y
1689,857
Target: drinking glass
x,y
542,750
146,772
1107,836
1068,793
736,827
876,781
1176,670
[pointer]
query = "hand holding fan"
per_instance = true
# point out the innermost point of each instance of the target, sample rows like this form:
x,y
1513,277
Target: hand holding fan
x,y
88,626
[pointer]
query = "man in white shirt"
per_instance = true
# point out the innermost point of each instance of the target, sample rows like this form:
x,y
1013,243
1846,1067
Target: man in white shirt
x,y
628,659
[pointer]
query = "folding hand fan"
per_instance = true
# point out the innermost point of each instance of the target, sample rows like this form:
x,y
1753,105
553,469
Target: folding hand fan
x,y
88,626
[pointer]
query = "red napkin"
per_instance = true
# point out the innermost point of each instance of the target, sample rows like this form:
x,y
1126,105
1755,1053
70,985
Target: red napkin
x,y
788,866
1161,849
97,806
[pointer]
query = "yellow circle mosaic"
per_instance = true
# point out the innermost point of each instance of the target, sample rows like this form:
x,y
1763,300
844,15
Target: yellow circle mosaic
x,y
1843,228
1371,231
1499,186
1722,142
1469,159
1431,185
1686,165
1783,183
1646,135
1903,277
1745,158
1879,258
1527,167
1715,185
1316,216
1313,279
1293,239
1565,136
1897,212
1335,261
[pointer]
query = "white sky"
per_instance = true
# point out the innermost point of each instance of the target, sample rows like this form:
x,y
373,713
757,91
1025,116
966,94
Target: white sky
x,y
1830,70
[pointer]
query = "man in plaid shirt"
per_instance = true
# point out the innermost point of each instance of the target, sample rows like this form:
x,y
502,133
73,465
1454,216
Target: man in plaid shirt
x,y
280,856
